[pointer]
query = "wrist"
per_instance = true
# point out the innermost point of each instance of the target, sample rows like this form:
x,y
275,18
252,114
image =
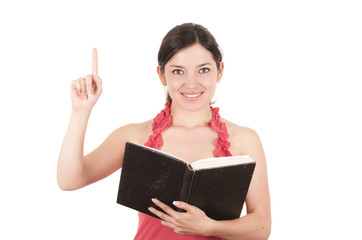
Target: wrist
x,y
211,228
81,112
80,115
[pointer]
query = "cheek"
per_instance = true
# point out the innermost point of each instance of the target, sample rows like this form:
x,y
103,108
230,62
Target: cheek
x,y
176,82
208,81
173,83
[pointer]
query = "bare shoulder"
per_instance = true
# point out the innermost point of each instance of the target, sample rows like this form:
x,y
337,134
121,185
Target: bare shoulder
x,y
244,140
134,132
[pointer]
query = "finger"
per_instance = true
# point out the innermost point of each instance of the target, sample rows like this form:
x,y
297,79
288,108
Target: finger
x,y
168,224
98,84
160,214
76,87
185,206
83,88
164,207
88,82
95,61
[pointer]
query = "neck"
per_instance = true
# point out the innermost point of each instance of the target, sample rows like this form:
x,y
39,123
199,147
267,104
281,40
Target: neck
x,y
190,119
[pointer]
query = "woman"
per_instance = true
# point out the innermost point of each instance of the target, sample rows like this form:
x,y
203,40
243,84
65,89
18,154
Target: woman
x,y
190,66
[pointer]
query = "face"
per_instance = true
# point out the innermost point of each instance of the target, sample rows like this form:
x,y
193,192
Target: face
x,y
191,76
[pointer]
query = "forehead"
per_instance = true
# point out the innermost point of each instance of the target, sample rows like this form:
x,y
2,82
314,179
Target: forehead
x,y
192,56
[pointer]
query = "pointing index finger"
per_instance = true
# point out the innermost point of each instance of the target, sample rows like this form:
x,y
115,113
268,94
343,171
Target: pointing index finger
x,y
95,61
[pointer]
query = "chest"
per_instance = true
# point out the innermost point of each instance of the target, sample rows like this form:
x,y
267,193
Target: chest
x,y
189,144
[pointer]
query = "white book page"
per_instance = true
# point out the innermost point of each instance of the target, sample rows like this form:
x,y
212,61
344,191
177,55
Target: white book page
x,y
221,161
208,162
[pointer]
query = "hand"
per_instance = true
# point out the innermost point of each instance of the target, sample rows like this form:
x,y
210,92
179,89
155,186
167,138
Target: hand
x,y
86,91
193,221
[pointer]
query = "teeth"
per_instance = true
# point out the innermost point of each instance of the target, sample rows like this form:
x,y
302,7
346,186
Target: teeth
x,y
192,95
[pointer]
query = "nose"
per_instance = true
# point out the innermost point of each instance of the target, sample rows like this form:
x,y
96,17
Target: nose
x,y
191,81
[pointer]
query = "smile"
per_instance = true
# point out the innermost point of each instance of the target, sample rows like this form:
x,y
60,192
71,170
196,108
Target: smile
x,y
194,95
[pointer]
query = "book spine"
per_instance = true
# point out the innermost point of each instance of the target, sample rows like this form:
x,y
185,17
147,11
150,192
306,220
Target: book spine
x,y
186,185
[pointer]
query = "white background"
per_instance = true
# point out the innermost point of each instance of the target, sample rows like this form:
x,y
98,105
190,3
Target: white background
x,y
292,73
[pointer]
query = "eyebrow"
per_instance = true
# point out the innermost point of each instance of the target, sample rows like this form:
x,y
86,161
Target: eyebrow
x,y
179,66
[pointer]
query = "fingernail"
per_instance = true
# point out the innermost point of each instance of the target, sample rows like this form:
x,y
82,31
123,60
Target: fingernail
x,y
176,203
89,92
153,200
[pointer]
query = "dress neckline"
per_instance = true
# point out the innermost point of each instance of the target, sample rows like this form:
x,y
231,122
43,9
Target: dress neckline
x,y
164,119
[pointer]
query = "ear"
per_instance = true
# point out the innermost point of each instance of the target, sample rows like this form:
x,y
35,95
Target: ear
x,y
220,72
161,75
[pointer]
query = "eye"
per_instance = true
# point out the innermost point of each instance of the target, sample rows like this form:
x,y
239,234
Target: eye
x,y
204,70
178,72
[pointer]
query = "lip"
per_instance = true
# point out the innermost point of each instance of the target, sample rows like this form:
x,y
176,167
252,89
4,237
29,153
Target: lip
x,y
192,96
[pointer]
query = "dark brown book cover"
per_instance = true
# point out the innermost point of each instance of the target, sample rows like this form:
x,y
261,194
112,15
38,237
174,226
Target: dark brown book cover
x,y
148,173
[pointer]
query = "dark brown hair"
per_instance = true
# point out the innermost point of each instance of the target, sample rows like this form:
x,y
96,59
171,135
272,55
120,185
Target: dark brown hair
x,y
183,36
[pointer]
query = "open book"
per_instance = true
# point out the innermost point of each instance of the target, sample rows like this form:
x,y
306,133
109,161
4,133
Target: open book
x,y
218,186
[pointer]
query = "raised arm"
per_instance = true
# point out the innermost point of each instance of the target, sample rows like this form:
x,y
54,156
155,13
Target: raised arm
x,y
74,170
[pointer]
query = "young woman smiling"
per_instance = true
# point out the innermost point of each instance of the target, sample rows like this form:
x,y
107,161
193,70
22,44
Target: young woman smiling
x,y
190,66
